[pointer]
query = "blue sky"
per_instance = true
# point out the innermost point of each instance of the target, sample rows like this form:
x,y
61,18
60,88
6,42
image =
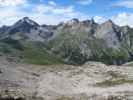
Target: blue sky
x,y
55,11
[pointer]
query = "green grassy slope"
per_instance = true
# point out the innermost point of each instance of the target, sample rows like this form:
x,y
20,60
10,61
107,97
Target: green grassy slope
x,y
38,55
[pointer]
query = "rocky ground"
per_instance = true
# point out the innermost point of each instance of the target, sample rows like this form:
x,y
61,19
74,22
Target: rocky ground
x,y
92,81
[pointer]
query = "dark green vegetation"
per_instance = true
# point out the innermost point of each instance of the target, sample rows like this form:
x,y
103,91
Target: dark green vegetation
x,y
37,54
110,56
65,98
117,78
107,83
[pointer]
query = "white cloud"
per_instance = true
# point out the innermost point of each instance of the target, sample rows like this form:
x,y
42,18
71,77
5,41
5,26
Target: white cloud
x,y
43,9
99,19
85,2
52,3
53,14
124,3
123,19
54,9
11,2
42,13
63,10
10,15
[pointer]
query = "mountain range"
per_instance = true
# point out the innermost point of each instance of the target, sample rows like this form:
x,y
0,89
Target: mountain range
x,y
72,42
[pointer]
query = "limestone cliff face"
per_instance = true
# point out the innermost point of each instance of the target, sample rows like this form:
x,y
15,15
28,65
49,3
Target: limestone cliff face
x,y
91,41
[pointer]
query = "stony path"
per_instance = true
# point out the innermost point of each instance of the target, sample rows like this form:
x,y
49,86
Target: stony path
x,y
92,81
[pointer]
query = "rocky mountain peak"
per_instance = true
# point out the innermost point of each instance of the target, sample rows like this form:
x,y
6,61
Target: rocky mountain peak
x,y
125,29
109,23
92,21
25,18
88,22
108,27
26,21
73,21
24,25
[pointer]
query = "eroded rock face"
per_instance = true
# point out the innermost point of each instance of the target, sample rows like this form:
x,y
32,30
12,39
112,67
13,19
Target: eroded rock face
x,y
92,81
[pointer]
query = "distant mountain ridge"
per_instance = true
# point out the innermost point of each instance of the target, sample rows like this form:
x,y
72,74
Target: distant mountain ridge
x,y
28,29
74,41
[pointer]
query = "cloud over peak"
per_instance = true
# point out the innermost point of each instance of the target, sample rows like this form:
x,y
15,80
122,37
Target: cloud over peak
x,y
51,12
123,19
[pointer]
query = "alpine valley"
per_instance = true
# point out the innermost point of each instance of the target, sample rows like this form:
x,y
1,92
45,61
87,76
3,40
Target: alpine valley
x,y
74,60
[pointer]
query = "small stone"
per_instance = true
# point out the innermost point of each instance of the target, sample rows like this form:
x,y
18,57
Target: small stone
x,y
0,71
